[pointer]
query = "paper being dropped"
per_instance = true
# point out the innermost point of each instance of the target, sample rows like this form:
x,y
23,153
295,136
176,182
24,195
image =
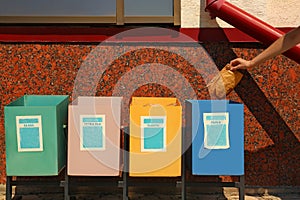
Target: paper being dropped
x,y
222,84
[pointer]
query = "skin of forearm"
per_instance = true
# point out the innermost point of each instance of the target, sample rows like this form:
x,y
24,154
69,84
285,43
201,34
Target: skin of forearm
x,y
281,45
273,50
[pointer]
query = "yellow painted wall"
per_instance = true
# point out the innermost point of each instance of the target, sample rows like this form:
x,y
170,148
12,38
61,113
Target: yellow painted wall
x,y
278,13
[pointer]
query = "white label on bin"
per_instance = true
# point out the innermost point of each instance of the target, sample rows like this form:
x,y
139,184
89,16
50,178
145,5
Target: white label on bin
x,y
29,133
92,132
153,131
216,134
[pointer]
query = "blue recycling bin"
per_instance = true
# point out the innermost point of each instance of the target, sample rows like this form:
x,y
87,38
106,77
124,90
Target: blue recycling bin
x,y
216,128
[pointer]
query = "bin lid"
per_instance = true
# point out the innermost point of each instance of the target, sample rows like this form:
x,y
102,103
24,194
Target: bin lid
x,y
39,100
91,100
154,100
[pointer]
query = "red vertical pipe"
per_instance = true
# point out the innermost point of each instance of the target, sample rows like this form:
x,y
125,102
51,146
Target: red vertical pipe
x,y
249,24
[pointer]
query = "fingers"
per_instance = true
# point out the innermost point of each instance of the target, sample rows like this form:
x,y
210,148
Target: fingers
x,y
239,63
235,62
233,68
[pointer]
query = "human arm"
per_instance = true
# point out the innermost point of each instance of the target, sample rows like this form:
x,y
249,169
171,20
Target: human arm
x,y
281,45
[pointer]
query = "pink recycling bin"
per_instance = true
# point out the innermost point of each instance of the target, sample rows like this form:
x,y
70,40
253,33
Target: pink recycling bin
x,y
94,136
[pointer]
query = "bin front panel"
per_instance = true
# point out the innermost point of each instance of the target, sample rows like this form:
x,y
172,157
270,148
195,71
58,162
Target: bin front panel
x,y
94,137
223,153
155,138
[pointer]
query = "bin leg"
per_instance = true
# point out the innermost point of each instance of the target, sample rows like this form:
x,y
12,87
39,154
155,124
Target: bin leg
x,y
126,164
183,183
183,166
66,187
66,182
242,188
8,188
125,186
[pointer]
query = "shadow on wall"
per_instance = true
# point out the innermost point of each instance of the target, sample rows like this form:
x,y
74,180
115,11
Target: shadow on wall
x,y
269,165
279,163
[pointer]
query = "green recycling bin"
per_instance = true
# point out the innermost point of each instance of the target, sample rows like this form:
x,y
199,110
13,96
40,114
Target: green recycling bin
x,y
34,135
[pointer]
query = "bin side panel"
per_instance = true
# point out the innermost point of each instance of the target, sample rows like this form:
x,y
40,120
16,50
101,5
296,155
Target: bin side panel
x,y
61,120
188,130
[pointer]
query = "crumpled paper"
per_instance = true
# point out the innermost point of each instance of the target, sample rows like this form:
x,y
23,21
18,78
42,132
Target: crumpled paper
x,y
222,84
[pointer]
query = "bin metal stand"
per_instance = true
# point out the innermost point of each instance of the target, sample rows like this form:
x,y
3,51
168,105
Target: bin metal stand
x,y
134,181
240,184
183,175
126,163
8,188
65,183
241,187
97,182
184,183
68,182
66,186
10,182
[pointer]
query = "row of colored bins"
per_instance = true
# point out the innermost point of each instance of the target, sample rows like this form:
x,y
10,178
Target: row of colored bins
x,y
36,139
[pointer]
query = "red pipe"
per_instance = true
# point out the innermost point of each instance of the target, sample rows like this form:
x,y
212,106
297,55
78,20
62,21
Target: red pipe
x,y
249,24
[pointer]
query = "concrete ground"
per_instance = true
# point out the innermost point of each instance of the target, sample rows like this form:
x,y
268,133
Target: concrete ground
x,y
227,194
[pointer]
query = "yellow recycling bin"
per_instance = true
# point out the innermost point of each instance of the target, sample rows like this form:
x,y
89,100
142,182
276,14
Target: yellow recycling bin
x,y
155,137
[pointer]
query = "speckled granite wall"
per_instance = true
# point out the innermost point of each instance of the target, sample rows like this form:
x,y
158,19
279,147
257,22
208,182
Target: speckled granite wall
x,y
270,93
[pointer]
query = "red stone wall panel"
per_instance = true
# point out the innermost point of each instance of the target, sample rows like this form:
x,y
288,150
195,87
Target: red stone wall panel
x,y
270,93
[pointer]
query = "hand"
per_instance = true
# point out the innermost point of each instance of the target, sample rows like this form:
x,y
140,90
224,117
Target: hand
x,y
240,63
